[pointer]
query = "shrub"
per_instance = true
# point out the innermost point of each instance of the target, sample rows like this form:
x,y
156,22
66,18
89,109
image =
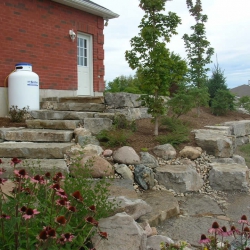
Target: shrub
x,y
178,132
222,102
18,115
244,102
51,211
114,137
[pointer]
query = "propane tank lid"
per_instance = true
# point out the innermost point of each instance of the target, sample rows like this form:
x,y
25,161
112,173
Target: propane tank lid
x,y
23,66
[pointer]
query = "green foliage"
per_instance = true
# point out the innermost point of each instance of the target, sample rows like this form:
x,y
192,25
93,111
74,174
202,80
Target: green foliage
x,y
217,81
51,211
244,102
18,115
222,102
173,246
181,102
198,51
114,137
123,84
150,56
121,122
119,134
178,132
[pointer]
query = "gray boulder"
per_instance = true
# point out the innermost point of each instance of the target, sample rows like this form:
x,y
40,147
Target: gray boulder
x,y
134,208
165,151
123,234
96,125
144,176
229,177
154,242
180,178
124,171
148,160
126,155
190,152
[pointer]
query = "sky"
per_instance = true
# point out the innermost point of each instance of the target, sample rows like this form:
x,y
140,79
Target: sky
x,y
227,29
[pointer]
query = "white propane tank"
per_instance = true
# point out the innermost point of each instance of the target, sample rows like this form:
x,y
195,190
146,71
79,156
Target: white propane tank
x,y
23,87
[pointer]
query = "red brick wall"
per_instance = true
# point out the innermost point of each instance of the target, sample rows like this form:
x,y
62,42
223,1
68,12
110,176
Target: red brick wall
x,y
36,31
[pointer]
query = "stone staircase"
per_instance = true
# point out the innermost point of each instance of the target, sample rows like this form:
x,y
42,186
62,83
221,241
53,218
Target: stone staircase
x,y
50,133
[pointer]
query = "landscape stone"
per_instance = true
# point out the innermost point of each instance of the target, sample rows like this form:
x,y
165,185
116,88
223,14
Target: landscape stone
x,y
34,150
84,140
91,149
96,125
164,206
134,208
239,159
144,176
123,234
122,99
4,130
166,151
82,132
126,155
107,152
230,177
149,160
90,107
38,135
52,124
124,171
181,178
122,187
239,128
190,152
35,166
98,166
60,115
215,143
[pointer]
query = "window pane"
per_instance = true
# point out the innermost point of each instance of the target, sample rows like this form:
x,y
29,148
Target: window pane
x,y
81,61
85,62
85,53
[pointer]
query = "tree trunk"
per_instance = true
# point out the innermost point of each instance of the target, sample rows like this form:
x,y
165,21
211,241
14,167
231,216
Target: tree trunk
x,y
156,125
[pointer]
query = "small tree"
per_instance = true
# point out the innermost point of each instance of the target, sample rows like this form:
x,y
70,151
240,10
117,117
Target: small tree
x,y
222,102
198,51
150,56
217,81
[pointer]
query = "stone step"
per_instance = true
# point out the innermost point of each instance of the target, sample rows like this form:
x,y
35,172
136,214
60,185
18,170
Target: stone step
x,y
53,124
68,115
60,115
38,135
91,107
73,106
35,166
34,150
76,99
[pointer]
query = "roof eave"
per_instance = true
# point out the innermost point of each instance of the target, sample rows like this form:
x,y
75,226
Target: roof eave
x,y
89,7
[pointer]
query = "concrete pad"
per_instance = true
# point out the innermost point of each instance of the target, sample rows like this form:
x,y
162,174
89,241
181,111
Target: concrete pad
x,y
38,135
34,150
53,124
35,166
164,206
60,115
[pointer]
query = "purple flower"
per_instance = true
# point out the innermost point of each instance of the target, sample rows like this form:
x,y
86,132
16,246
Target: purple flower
x,y
215,228
15,161
21,173
2,181
243,220
61,220
204,239
5,216
224,232
38,179
30,213
92,221
77,195
68,237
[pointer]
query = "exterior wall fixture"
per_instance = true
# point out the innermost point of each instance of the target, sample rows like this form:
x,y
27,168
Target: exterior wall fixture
x,y
72,35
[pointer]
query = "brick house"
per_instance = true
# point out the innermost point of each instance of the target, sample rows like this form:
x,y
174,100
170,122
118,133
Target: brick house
x,y
37,32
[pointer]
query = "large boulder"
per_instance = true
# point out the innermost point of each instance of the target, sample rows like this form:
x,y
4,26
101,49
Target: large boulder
x,y
126,155
97,166
134,208
96,125
215,143
124,171
180,178
122,99
229,176
123,234
165,151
